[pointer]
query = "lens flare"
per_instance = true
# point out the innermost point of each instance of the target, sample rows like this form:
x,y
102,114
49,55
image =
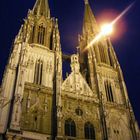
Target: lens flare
x,y
108,28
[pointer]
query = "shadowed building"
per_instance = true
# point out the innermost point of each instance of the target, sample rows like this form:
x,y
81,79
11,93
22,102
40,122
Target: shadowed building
x,y
37,103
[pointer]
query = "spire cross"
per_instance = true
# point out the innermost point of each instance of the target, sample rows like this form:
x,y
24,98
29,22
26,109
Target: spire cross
x,y
86,2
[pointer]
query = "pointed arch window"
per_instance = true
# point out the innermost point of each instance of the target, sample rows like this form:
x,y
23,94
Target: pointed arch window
x,y
51,41
102,53
38,72
109,92
32,33
70,128
89,131
110,53
41,35
110,57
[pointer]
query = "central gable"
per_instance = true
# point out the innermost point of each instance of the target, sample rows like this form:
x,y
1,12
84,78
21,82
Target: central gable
x,y
77,84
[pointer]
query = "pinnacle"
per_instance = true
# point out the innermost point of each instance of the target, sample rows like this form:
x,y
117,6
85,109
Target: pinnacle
x,y
86,2
89,23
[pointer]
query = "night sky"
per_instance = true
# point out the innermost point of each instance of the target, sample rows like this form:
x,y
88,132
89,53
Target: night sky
x,y
125,40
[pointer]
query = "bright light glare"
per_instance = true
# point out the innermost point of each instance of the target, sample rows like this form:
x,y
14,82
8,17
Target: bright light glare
x,y
106,29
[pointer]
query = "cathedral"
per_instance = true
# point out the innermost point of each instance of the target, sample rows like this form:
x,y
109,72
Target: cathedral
x,y
38,103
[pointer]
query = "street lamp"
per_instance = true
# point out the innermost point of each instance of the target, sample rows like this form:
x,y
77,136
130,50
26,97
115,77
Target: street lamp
x,y
106,29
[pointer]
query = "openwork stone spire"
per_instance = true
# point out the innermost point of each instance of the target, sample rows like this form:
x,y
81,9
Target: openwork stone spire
x,y
42,8
89,23
86,1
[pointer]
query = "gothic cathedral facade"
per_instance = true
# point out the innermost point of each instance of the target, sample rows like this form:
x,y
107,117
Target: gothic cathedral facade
x,y
37,103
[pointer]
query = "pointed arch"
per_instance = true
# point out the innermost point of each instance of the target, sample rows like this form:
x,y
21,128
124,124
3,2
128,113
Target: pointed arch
x,y
109,91
110,57
102,53
38,72
32,35
41,34
70,128
89,131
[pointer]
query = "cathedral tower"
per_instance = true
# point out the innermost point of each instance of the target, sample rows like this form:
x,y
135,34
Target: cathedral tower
x,y
27,92
36,103
101,69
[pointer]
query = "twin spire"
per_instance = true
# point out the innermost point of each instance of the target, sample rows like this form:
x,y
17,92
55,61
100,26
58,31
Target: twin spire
x,y
89,23
41,7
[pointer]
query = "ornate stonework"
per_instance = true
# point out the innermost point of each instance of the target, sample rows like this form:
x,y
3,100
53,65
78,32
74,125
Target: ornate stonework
x,y
37,103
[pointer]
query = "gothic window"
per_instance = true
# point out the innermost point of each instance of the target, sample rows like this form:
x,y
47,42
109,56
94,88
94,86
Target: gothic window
x,y
89,131
110,57
38,72
78,111
33,34
41,35
51,41
70,128
102,53
109,52
109,92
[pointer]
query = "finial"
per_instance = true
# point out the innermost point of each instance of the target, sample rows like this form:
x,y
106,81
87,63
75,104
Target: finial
x,y
78,52
86,2
75,67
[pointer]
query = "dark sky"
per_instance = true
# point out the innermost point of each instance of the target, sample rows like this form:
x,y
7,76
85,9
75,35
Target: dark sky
x,y
126,38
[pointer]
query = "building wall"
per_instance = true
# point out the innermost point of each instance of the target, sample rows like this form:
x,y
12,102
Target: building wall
x,y
90,113
36,109
35,100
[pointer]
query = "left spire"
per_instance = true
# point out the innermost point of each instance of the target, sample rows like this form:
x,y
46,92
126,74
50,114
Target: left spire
x,y
41,8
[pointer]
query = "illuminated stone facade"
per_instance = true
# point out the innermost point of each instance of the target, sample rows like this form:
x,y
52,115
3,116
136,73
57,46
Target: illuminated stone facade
x,y
37,103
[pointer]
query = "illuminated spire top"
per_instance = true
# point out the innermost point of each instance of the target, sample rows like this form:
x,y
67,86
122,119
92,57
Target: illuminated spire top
x,y
41,7
86,2
89,22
